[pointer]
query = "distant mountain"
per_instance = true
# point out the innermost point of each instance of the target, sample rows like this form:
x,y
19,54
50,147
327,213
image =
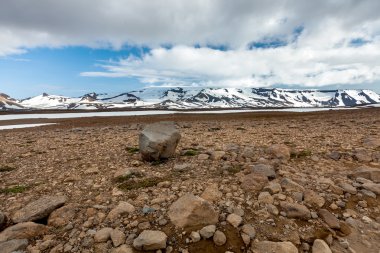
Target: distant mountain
x,y
199,98
7,102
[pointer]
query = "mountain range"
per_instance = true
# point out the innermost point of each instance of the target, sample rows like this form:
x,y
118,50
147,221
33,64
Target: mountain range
x,y
197,98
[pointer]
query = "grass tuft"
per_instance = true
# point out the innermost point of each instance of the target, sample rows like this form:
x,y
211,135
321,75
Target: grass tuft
x,y
190,152
143,183
301,154
14,189
132,150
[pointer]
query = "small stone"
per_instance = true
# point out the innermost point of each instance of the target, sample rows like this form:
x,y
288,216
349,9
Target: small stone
x,y
182,167
203,157
195,236
217,155
234,219
375,188
253,182
121,209
320,246
313,199
294,210
272,209
211,193
150,240
273,188
265,198
329,218
62,216
219,238
103,235
348,188
265,169
249,230
117,237
289,185
208,231
279,151
122,249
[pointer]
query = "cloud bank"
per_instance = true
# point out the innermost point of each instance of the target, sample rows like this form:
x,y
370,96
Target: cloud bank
x,y
209,42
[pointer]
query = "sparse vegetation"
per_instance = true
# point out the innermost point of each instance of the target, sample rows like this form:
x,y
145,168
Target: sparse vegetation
x,y
132,150
14,189
190,152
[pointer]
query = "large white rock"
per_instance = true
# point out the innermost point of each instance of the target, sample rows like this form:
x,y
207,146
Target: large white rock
x,y
150,240
158,140
189,211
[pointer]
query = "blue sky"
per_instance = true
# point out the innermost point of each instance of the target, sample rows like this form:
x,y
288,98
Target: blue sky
x,y
53,47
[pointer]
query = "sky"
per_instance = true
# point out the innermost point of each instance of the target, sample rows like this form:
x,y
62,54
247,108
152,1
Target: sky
x,y
74,47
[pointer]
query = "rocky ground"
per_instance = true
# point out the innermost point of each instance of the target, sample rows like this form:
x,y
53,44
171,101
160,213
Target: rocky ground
x,y
254,183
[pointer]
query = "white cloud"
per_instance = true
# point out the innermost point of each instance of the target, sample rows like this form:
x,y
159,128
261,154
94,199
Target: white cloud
x,y
321,55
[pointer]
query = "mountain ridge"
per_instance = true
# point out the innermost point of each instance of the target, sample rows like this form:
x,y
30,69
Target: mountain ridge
x,y
198,98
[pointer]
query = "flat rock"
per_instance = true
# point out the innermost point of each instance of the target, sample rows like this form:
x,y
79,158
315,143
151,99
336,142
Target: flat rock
x,y
329,218
117,237
25,230
375,188
265,169
253,182
158,141
371,142
62,216
289,185
190,210
294,210
320,246
273,247
150,240
39,209
369,173
279,151
13,245
347,188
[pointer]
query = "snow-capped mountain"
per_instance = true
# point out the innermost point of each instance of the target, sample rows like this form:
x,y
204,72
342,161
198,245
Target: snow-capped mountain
x,y
7,102
200,98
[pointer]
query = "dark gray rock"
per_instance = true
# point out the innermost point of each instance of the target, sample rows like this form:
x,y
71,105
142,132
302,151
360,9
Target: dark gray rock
x,y
13,245
264,169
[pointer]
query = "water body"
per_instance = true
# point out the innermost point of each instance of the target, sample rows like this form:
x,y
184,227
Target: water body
x,y
151,112
24,126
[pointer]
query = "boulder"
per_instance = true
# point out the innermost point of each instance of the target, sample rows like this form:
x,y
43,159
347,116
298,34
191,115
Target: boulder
x,y
25,230
62,216
150,240
189,211
320,246
15,245
279,151
253,182
273,247
294,210
158,141
265,169
39,209
369,173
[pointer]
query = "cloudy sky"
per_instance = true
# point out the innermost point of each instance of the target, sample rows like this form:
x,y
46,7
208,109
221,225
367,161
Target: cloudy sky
x,y
72,47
